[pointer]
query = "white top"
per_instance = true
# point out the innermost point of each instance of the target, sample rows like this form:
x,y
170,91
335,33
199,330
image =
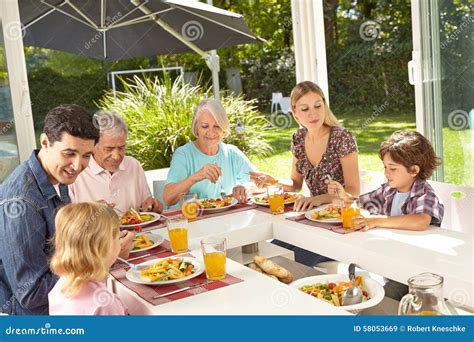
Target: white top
x,y
397,203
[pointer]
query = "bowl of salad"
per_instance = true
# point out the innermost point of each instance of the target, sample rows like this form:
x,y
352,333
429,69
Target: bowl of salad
x,y
330,288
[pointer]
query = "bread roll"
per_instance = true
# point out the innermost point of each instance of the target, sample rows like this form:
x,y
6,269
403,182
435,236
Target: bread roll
x,y
270,267
254,266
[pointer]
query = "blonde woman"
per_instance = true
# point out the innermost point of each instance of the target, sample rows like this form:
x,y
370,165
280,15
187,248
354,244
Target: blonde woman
x,y
87,242
321,149
204,165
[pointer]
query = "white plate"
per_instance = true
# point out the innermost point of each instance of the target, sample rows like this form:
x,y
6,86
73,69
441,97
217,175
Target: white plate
x,y
157,240
134,275
374,289
234,202
330,220
156,217
266,204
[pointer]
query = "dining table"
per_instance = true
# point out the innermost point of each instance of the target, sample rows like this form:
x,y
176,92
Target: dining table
x,y
394,254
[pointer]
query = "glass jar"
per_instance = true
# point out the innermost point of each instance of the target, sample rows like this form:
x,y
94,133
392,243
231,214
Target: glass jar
x,y
425,296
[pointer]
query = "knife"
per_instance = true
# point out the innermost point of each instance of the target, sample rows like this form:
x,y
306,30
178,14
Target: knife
x,y
182,289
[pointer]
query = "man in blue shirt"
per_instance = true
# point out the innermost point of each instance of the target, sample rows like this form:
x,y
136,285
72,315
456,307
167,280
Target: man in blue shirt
x,y
29,200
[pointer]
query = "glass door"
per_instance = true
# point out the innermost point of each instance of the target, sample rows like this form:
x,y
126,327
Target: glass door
x,y
9,157
442,71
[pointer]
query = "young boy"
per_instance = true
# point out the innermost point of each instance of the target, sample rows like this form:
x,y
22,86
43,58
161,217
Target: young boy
x,y
406,201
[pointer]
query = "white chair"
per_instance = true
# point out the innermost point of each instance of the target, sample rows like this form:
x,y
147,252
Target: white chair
x,y
276,97
156,181
285,105
458,200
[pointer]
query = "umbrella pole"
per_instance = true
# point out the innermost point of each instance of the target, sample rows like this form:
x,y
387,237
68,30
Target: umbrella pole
x,y
212,59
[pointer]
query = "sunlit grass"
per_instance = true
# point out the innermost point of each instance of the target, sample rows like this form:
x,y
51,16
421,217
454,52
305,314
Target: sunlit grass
x,y
458,146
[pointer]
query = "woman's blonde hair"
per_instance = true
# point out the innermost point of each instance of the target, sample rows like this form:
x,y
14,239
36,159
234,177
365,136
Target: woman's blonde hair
x,y
83,239
303,88
217,111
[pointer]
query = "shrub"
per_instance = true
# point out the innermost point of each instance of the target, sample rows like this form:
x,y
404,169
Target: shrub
x,y
159,113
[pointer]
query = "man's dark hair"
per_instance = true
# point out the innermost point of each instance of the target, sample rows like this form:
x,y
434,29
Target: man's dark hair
x,y
72,119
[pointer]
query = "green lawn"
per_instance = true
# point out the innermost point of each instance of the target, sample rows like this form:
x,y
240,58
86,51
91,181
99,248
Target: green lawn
x,y
458,146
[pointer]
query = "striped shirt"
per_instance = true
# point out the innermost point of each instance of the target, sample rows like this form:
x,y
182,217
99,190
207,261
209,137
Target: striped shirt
x,y
422,200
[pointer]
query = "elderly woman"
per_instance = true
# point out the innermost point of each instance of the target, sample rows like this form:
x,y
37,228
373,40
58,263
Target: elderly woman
x,y
322,150
205,164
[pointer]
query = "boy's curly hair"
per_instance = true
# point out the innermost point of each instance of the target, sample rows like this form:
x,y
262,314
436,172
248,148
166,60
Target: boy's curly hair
x,y
411,148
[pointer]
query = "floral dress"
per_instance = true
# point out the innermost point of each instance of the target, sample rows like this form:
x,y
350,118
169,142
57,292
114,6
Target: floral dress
x,y
341,143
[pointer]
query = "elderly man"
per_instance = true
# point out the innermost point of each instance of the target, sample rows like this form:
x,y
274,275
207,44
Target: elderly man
x,y
111,176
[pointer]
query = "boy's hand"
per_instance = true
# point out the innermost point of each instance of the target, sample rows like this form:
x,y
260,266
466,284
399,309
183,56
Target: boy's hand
x,y
366,223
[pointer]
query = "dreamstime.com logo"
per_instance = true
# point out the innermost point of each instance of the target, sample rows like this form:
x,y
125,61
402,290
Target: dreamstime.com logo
x,y
369,30
192,30
458,119
14,30
46,330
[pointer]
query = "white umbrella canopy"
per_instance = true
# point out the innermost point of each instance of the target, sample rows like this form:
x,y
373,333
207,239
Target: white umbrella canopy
x,y
122,29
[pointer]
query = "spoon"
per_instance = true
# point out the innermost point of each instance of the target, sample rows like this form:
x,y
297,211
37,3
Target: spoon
x,y
353,294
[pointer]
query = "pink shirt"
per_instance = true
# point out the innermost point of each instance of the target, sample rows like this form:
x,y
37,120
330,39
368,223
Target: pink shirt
x,y
92,299
127,187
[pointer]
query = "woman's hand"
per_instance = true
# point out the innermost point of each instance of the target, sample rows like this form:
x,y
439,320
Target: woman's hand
x,y
335,188
262,179
208,171
306,203
240,193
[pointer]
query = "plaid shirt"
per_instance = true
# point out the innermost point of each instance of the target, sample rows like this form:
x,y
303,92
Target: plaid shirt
x,y
422,199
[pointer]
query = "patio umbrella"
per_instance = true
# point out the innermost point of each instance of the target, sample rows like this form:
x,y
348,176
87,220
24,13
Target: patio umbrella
x,y
122,29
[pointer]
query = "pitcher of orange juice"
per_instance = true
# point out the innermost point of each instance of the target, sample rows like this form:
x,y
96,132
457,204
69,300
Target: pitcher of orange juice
x,y
189,206
425,297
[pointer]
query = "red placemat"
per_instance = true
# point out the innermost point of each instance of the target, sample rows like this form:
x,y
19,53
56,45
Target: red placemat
x,y
337,228
147,292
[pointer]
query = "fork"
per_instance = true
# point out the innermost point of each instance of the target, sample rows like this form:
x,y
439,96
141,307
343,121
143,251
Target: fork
x,y
223,194
337,192
132,266
183,289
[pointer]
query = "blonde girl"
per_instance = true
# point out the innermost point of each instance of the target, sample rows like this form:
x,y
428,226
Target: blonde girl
x,y
86,245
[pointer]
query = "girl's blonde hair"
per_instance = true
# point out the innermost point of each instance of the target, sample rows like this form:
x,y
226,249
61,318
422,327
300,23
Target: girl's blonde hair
x,y
303,88
83,239
217,111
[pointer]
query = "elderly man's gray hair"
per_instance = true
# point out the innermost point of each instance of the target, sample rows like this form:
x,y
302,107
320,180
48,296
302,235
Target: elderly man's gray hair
x,y
217,111
110,123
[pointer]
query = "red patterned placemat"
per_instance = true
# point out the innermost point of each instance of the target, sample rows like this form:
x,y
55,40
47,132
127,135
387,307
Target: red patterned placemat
x,y
337,228
147,292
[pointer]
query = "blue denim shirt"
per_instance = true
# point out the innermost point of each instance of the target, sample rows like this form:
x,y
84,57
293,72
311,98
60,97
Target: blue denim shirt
x,y
28,204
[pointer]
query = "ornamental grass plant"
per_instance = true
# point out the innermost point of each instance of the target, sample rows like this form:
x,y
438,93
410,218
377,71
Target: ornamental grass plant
x,y
159,111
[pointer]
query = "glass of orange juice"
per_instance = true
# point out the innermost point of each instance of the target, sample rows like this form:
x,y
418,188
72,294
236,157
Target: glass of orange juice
x,y
214,252
349,212
276,199
178,234
189,206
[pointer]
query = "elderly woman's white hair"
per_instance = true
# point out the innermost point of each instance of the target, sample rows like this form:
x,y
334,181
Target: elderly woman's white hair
x,y
110,123
217,111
